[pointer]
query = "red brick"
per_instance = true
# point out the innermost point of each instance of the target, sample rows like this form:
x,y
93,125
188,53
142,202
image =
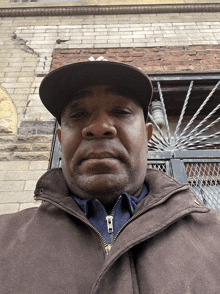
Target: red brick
x,y
155,49
125,59
114,50
156,59
177,53
73,51
136,54
111,55
206,62
97,51
124,54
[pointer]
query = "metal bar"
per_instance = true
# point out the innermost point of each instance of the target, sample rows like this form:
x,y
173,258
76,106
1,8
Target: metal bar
x,y
184,154
154,145
153,142
183,110
164,112
188,145
166,143
197,144
154,148
158,155
198,111
206,145
169,169
183,77
53,146
198,147
108,9
207,127
160,142
151,162
205,138
178,170
200,160
56,155
189,138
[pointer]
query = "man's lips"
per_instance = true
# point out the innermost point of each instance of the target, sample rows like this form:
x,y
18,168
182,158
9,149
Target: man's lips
x,y
98,156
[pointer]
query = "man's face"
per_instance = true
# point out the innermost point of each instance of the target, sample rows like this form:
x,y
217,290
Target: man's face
x,y
104,140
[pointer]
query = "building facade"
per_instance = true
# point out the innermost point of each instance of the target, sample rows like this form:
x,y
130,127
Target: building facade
x,y
163,38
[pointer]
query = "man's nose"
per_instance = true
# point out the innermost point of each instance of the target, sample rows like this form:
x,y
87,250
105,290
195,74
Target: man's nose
x,y
101,126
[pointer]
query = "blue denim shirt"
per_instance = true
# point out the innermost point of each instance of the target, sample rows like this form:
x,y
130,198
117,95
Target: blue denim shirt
x,y
121,213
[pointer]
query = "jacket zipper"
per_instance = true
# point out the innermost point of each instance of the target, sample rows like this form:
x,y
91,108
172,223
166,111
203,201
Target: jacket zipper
x,y
109,218
110,228
154,205
89,224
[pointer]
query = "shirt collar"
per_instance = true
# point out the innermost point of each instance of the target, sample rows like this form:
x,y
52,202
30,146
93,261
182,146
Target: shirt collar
x,y
132,201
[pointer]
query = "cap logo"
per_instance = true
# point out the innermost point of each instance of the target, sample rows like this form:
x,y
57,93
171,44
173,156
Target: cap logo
x,y
100,58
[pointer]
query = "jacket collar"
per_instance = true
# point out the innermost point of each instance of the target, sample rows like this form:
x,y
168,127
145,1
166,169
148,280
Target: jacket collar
x,y
52,187
167,202
132,201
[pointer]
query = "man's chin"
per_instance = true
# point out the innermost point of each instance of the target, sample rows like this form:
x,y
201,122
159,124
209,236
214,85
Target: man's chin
x,y
99,184
103,181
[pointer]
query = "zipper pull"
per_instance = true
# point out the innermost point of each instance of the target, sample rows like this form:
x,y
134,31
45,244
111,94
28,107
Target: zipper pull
x,y
108,248
109,219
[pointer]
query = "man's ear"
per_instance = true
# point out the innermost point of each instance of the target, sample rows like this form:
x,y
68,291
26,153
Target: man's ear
x,y
149,128
59,134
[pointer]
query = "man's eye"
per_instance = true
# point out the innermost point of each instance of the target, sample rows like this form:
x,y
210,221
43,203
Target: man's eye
x,y
79,114
122,111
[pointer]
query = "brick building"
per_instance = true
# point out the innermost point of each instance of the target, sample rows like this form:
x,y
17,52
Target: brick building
x,y
160,37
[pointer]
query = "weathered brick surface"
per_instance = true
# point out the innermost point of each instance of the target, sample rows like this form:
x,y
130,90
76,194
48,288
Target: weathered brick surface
x,y
31,43
36,127
38,165
14,165
11,186
27,147
31,156
162,59
17,184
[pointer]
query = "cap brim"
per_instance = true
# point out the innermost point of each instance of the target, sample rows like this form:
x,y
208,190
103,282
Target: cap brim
x,y
57,88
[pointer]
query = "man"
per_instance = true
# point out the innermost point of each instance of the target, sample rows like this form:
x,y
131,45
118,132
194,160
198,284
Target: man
x,y
107,224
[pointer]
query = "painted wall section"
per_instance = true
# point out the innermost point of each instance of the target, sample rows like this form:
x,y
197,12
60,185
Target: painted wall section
x,y
8,113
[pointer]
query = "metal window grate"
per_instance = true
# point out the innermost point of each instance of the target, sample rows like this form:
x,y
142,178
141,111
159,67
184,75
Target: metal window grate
x,y
191,118
162,165
159,166
204,179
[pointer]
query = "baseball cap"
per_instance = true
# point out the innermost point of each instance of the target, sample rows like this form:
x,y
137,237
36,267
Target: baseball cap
x,y
58,87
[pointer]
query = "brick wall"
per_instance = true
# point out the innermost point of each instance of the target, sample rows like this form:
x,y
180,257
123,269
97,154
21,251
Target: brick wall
x,y
25,147
151,60
17,182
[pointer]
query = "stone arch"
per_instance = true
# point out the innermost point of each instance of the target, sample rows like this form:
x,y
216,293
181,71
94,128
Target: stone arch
x,y
8,113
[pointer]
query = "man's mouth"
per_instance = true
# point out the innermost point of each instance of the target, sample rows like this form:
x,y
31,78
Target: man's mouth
x,y
103,155
100,155
99,162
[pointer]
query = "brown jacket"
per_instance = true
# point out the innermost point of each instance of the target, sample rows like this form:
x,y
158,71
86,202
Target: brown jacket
x,y
170,246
